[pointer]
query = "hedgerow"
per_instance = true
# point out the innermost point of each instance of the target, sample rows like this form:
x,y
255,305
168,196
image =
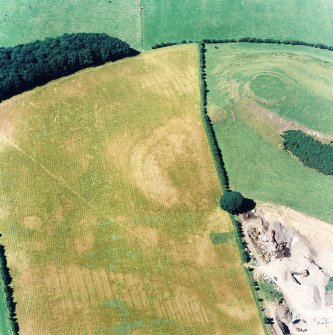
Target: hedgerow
x,y
223,177
26,66
216,151
248,40
7,279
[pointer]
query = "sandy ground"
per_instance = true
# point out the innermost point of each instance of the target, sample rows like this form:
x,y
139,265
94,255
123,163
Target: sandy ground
x,y
317,232
302,274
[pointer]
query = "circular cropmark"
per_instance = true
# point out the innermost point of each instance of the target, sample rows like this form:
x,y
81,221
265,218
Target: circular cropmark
x,y
268,87
297,87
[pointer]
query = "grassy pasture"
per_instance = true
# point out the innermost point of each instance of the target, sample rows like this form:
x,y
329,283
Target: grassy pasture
x,y
109,196
255,93
166,21
23,21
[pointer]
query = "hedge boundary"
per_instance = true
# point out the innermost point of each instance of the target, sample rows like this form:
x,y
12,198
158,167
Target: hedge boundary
x,y
9,292
248,40
223,177
212,140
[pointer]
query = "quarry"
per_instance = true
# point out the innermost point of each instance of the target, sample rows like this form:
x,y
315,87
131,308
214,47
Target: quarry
x,y
291,252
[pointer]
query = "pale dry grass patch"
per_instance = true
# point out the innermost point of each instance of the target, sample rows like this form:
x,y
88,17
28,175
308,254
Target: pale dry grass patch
x,y
32,222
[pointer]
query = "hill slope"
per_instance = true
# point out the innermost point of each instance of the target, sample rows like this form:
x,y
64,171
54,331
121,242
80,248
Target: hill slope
x,y
109,199
255,93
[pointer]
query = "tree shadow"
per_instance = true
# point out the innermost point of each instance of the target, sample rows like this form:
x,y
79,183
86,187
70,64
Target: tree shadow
x,y
247,205
133,52
268,321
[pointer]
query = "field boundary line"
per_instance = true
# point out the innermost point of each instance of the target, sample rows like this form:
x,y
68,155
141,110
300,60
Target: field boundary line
x,y
217,155
247,40
166,44
221,170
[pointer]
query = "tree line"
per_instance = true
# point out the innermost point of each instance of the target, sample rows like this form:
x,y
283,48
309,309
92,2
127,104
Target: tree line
x,y
242,204
222,173
26,66
216,151
309,151
248,40
7,279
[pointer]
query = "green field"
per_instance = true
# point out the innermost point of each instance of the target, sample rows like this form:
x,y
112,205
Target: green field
x,y
109,198
172,20
23,21
247,112
294,82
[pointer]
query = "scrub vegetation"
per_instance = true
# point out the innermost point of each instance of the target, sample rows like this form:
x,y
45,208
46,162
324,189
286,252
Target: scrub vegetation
x,y
311,153
268,292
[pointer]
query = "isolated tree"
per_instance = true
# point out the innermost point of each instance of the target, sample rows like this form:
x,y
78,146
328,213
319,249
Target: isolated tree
x,y
268,321
232,202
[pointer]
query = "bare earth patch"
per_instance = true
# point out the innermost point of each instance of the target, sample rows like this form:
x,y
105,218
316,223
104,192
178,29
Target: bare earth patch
x,y
318,232
216,113
301,274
